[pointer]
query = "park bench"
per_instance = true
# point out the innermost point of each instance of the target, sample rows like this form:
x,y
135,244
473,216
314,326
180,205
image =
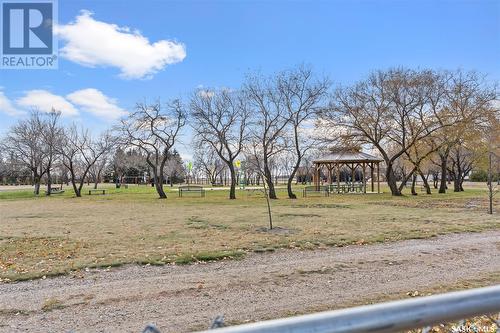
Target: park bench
x,y
55,190
322,190
252,191
191,189
97,190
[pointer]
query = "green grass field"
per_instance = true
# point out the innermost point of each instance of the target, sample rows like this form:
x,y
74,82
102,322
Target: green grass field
x,y
44,236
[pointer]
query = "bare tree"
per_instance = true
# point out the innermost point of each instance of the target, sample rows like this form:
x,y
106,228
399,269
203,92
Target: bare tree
x,y
154,129
79,152
31,143
462,159
464,103
220,121
51,134
268,131
303,97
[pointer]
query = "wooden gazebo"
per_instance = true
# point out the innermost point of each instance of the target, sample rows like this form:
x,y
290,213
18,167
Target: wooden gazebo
x,y
352,160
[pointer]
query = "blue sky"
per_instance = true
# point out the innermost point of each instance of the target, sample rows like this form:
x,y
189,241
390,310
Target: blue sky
x,y
214,43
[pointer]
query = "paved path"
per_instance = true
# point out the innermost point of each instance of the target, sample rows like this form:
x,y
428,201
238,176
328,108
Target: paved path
x,y
183,298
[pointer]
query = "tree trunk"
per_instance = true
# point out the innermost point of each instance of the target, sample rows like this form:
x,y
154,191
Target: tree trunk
x,y
292,195
232,190
426,183
413,184
456,184
36,182
49,181
444,171
266,193
159,189
269,181
158,182
405,179
457,176
76,189
37,188
391,180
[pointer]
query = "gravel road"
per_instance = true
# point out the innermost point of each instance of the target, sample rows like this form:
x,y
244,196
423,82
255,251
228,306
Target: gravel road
x,y
261,286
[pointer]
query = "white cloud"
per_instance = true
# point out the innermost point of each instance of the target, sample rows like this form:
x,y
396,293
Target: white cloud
x,y
46,101
88,100
94,101
95,43
7,107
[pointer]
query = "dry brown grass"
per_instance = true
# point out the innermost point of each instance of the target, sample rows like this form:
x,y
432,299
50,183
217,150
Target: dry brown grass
x,y
50,236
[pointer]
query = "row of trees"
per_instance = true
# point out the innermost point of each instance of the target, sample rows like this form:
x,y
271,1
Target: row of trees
x,y
41,145
266,118
40,149
421,122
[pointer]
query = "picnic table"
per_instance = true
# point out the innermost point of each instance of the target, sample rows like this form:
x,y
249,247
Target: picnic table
x,y
345,188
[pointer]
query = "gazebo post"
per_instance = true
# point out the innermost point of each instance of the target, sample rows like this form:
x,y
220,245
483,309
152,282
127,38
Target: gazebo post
x,y
329,176
378,177
353,176
364,178
314,174
372,166
338,177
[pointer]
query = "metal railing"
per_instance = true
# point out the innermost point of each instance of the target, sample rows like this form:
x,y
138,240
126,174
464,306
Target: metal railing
x,y
385,317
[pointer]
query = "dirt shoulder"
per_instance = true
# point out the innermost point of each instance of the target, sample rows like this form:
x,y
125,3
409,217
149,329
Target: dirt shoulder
x,y
261,286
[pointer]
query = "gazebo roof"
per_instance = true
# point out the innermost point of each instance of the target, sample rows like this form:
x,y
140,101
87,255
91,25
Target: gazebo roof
x,y
348,157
